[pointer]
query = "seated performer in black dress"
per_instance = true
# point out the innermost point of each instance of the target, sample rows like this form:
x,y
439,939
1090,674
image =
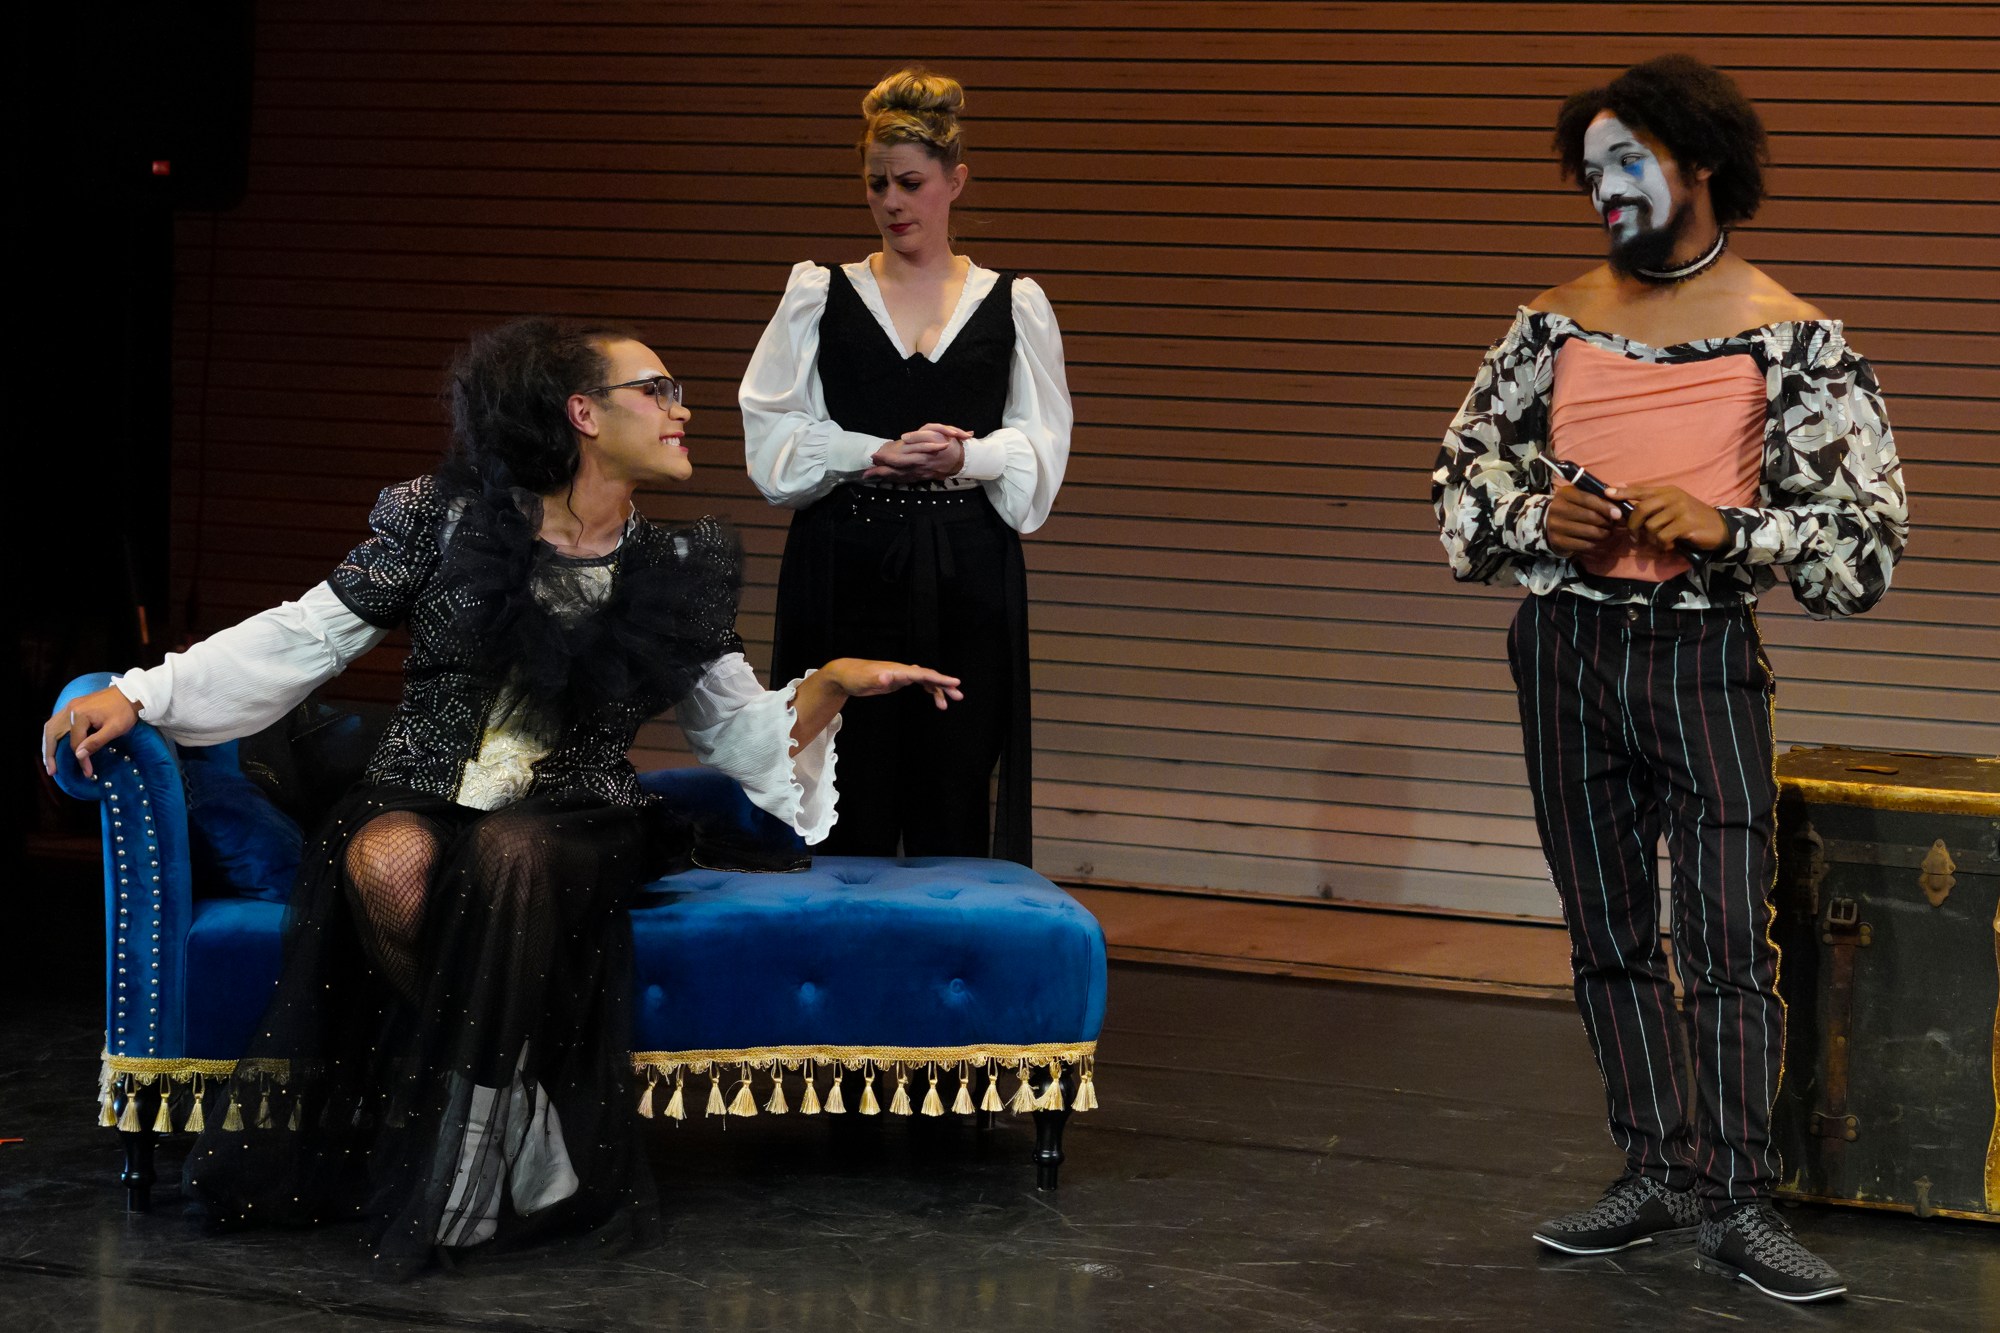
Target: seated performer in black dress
x,y
912,407
447,1053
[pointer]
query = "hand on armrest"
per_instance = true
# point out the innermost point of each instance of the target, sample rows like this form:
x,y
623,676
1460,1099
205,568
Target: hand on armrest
x,y
90,723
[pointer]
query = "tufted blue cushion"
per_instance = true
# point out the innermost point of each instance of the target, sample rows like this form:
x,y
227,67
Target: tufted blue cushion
x,y
857,951
235,949
708,797
864,951
241,842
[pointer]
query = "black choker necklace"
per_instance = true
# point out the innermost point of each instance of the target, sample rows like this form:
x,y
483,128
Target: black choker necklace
x,y
1691,269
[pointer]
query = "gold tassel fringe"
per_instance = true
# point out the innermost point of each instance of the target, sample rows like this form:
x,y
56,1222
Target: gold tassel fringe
x,y
119,1077
128,1119
1086,1090
1024,1096
746,1101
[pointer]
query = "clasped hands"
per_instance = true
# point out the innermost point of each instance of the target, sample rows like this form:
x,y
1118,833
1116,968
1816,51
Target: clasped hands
x,y
1662,517
930,453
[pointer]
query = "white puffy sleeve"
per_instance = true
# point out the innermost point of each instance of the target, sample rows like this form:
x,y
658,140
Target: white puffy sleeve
x,y
736,725
792,451
242,679
1021,464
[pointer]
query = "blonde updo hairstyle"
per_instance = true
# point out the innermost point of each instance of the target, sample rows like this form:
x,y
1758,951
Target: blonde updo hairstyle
x,y
916,106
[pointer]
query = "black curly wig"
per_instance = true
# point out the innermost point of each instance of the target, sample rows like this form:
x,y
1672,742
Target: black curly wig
x,y
1696,111
511,444
509,391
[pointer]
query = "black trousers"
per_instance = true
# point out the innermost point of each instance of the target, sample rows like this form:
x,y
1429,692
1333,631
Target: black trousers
x,y
1640,721
912,576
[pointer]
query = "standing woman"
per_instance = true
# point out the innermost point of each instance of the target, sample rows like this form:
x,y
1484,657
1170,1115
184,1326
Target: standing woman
x,y
912,407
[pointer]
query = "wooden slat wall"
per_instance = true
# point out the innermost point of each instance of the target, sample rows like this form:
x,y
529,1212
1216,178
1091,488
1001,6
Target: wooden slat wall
x,y
1278,236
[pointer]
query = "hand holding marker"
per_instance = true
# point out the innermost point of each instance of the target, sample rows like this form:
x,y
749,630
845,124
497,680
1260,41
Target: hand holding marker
x,y
1576,475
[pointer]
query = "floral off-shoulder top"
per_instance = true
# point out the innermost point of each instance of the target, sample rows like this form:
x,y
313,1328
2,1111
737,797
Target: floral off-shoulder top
x,y
1830,514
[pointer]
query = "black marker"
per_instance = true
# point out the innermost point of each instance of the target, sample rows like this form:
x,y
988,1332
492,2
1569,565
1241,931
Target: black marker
x,y
1581,478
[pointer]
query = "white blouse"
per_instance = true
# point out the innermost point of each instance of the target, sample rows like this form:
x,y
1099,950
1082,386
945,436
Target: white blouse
x,y
795,454
242,679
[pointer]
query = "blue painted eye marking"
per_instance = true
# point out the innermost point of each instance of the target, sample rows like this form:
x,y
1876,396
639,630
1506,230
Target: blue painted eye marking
x,y
1635,169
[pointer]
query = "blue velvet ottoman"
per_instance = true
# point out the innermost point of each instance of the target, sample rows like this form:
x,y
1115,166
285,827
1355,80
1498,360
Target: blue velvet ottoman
x,y
862,985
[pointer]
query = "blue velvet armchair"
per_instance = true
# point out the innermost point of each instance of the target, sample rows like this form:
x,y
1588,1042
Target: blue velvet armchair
x,y
921,986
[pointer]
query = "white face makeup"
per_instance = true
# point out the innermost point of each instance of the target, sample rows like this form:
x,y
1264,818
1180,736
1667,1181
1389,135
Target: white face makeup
x,y
1625,180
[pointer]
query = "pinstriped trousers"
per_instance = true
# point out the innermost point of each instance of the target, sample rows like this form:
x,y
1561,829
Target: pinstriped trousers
x,y
1639,722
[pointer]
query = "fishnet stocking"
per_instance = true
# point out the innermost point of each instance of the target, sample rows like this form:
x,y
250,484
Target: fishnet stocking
x,y
509,858
389,867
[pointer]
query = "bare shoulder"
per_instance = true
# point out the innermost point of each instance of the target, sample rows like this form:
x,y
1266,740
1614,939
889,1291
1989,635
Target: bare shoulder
x,y
1576,297
1773,303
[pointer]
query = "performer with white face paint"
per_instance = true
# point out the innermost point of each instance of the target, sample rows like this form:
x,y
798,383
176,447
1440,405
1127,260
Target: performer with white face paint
x,y
1739,439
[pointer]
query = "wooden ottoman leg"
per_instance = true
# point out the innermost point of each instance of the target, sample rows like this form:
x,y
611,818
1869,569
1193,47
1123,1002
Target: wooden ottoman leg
x,y
137,1177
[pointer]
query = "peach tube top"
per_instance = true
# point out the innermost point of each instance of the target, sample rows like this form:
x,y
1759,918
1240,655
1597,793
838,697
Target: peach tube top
x,y
1698,425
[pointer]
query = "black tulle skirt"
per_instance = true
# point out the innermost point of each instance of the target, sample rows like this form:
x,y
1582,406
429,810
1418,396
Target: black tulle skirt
x,y
423,1100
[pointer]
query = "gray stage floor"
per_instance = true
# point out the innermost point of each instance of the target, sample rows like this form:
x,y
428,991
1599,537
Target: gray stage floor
x,y
1270,1155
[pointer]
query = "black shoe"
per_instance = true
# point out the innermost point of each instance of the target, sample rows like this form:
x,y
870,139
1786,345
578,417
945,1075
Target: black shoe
x,y
1637,1210
1754,1245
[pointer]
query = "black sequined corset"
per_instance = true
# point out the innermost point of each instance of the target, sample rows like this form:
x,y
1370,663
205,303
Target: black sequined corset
x,y
400,576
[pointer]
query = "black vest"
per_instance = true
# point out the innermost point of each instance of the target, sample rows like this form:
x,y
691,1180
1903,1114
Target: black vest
x,y
872,391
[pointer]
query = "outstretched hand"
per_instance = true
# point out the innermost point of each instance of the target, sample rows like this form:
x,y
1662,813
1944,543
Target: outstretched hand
x,y
860,679
91,722
821,694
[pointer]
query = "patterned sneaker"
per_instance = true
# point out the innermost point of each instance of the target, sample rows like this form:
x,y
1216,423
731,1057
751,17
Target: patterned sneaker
x,y
1754,1244
1636,1210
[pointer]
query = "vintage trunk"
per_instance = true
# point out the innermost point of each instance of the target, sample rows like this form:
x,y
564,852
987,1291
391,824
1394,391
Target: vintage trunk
x,y
1888,913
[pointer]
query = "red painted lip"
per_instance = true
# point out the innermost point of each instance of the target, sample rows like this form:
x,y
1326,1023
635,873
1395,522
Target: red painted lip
x,y
900,227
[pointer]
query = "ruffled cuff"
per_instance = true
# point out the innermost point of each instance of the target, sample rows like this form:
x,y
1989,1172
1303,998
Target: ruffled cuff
x,y
1524,524
986,457
849,453
1763,537
797,788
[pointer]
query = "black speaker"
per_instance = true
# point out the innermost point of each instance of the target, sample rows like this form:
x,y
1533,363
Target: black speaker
x,y
205,85
128,114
